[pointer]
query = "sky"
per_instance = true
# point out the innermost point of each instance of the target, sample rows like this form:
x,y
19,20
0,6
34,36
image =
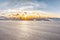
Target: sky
x,y
49,6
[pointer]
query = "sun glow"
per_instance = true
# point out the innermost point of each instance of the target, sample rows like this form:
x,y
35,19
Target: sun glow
x,y
28,15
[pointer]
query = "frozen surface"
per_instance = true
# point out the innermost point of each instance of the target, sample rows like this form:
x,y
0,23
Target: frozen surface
x,y
29,30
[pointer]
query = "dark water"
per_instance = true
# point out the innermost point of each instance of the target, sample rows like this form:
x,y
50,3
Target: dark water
x,y
29,30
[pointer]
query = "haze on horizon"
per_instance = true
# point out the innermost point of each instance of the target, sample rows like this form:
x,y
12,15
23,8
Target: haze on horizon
x,y
49,7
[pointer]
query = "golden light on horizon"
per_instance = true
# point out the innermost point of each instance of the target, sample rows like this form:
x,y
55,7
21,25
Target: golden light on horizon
x,y
28,15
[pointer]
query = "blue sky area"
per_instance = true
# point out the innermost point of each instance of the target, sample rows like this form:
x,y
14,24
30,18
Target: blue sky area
x,y
52,6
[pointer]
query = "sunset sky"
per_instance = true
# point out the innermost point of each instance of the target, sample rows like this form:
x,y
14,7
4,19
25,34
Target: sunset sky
x,y
49,6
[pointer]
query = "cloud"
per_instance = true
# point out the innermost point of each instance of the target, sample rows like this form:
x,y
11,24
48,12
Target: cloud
x,y
26,8
23,5
3,4
31,6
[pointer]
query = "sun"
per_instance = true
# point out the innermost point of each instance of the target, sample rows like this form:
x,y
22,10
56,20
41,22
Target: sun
x,y
25,16
28,15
